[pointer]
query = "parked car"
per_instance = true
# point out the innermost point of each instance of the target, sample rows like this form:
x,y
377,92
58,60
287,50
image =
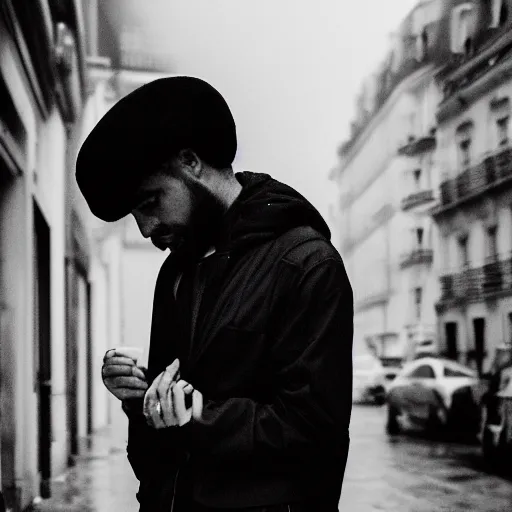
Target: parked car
x,y
392,367
496,434
369,379
434,393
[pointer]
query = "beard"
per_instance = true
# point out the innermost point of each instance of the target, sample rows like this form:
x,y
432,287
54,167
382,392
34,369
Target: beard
x,y
192,241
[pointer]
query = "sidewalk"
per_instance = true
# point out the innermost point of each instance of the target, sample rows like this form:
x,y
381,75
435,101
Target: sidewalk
x,y
101,481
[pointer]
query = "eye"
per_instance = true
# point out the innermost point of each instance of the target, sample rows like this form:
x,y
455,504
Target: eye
x,y
148,204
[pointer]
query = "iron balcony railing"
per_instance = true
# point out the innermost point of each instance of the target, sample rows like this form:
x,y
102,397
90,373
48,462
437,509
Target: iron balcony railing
x,y
493,171
415,146
416,257
417,198
474,284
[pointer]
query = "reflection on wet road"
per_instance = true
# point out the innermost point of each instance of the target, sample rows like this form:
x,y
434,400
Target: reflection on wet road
x,y
411,473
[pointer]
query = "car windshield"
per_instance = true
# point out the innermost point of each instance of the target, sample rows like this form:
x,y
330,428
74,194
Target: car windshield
x,y
453,370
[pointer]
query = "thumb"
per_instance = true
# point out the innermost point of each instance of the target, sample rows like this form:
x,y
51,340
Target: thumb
x,y
197,405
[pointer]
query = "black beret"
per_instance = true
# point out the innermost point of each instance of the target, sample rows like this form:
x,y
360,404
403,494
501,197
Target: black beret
x,y
142,131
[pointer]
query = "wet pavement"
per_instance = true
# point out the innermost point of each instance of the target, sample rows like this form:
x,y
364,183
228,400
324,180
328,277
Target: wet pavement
x,y
400,474
412,473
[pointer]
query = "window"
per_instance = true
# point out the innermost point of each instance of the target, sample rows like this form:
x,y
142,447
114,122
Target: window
x,y
463,250
419,237
424,371
452,372
465,153
422,45
417,179
492,243
450,330
418,296
499,13
463,24
502,130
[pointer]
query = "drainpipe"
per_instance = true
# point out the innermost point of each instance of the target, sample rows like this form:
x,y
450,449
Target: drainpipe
x,y
76,7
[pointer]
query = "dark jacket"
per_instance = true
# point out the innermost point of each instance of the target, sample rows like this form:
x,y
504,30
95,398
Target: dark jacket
x,y
271,351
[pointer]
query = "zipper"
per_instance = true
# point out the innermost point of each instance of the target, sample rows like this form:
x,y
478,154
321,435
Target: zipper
x,y
187,458
174,489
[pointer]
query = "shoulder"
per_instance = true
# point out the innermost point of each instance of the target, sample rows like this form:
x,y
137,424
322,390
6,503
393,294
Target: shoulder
x,y
305,248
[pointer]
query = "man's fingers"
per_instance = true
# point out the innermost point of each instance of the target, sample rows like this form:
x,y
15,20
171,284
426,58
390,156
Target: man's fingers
x,y
118,360
151,400
182,414
126,382
113,370
168,411
173,369
109,353
197,405
137,372
164,384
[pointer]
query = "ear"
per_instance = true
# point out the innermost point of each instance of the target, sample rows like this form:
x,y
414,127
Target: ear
x,y
190,163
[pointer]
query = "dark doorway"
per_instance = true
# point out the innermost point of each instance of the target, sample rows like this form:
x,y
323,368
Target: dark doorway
x,y
452,351
479,332
42,345
78,355
71,361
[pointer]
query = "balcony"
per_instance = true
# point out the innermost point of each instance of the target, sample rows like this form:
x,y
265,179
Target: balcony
x,y
492,173
415,146
417,257
477,284
417,199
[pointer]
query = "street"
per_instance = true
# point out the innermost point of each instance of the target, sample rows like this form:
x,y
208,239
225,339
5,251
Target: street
x,y
404,474
415,474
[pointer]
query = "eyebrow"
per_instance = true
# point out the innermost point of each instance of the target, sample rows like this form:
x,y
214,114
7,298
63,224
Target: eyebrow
x,y
144,195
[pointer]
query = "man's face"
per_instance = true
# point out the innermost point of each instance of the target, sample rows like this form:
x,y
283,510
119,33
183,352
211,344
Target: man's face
x,y
177,213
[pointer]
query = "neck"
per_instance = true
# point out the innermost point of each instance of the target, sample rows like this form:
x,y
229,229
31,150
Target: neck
x,y
228,190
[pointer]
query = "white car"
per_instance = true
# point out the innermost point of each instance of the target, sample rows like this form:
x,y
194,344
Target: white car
x,y
436,394
369,380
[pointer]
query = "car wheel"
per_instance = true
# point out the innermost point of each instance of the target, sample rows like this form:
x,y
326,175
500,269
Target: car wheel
x,y
489,449
380,399
490,446
464,415
392,425
434,424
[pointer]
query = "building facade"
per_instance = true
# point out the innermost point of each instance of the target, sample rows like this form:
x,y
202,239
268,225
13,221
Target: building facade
x,y
63,273
474,217
42,89
388,181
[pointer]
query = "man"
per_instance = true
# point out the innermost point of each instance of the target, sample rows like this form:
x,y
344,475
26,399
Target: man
x,y
246,401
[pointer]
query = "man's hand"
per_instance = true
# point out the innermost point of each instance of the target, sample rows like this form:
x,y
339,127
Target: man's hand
x,y
164,403
122,377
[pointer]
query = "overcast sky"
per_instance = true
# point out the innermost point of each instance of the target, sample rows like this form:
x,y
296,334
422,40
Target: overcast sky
x,y
289,69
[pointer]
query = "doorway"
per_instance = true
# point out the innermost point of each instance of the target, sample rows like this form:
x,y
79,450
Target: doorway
x,y
78,356
42,346
452,351
480,353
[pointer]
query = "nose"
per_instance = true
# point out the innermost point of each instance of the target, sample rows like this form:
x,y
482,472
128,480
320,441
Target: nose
x,y
146,224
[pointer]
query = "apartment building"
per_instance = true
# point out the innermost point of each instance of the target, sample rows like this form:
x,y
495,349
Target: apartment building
x,y
474,217
388,177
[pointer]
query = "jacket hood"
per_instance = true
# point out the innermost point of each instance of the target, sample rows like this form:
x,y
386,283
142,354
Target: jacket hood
x,y
264,210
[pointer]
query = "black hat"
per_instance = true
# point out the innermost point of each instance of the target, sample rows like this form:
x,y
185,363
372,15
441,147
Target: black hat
x,y
144,130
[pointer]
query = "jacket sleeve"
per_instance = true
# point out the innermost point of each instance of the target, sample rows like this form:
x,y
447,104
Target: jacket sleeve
x,y
312,361
150,450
